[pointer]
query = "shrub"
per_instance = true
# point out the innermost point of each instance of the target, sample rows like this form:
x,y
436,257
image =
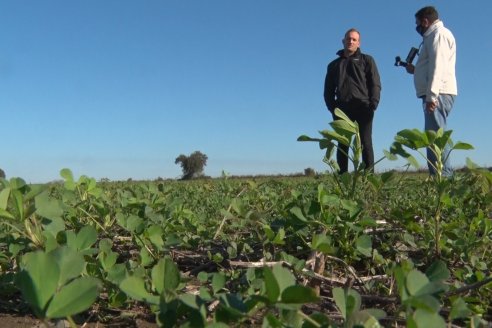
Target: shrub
x,y
309,172
192,165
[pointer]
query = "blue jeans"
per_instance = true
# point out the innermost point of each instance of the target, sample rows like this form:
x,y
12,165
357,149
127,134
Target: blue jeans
x,y
434,121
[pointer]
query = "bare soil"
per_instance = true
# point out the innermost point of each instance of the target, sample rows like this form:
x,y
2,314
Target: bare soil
x,y
28,321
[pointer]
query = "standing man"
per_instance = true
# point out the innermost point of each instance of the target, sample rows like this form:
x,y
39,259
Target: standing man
x,y
434,77
352,84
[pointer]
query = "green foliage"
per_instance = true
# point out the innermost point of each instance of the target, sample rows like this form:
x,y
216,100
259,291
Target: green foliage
x,y
348,302
434,141
420,293
418,141
192,165
345,132
52,284
237,252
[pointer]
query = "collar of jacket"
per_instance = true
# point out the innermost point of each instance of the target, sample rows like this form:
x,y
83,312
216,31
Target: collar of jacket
x,y
341,53
437,24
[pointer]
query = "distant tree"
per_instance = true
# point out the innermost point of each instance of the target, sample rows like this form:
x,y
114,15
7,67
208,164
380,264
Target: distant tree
x,y
309,172
2,173
192,165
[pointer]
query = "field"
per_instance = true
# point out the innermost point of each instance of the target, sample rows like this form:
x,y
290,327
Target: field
x,y
391,249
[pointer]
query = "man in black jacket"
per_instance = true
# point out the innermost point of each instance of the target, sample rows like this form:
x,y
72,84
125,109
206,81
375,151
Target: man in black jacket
x,y
352,84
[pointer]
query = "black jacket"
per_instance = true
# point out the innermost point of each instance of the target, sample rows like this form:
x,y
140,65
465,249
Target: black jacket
x,y
352,83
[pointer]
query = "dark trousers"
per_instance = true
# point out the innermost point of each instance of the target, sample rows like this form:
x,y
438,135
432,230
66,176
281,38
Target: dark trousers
x,y
363,117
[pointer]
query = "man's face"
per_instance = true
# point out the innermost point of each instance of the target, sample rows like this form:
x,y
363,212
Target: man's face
x,y
422,25
351,42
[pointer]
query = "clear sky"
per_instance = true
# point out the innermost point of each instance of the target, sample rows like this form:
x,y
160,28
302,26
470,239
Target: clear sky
x,y
119,88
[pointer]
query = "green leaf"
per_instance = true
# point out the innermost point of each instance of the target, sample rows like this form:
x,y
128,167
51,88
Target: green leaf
x,y
4,198
347,301
193,301
231,308
105,245
74,298
425,302
462,146
202,276
424,318
272,288
413,162
344,128
135,288
416,281
38,280
306,138
322,243
390,156
470,164
218,281
134,224
299,295
340,301
5,214
19,203
270,234
413,139
351,206
269,321
364,319
66,174
459,309
364,245
154,234
69,181
297,212
438,271
48,207
376,313
279,237
108,260
353,301
165,275
332,135
54,226
145,257
17,183
339,113
284,277
117,273
86,237
70,262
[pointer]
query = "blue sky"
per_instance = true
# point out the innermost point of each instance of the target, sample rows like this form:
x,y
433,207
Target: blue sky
x,y
118,89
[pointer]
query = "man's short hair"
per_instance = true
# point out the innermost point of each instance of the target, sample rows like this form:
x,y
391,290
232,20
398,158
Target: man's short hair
x,y
428,12
352,30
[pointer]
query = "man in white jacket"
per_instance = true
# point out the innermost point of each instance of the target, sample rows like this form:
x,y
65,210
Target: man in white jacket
x,y
434,76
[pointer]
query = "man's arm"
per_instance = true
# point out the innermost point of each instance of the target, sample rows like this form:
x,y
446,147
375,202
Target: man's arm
x,y
329,91
374,84
410,68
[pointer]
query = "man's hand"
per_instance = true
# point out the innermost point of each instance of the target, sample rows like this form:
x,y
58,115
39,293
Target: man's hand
x,y
410,68
431,106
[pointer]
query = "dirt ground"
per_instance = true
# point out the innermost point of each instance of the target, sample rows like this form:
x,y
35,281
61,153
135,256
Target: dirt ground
x,y
27,321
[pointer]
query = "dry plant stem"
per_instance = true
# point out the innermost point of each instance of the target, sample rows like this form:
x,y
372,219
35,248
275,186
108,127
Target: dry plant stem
x,y
349,268
308,319
469,287
318,267
93,219
329,280
225,218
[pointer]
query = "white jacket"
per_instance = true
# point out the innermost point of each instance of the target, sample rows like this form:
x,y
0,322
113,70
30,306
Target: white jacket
x,y
435,69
